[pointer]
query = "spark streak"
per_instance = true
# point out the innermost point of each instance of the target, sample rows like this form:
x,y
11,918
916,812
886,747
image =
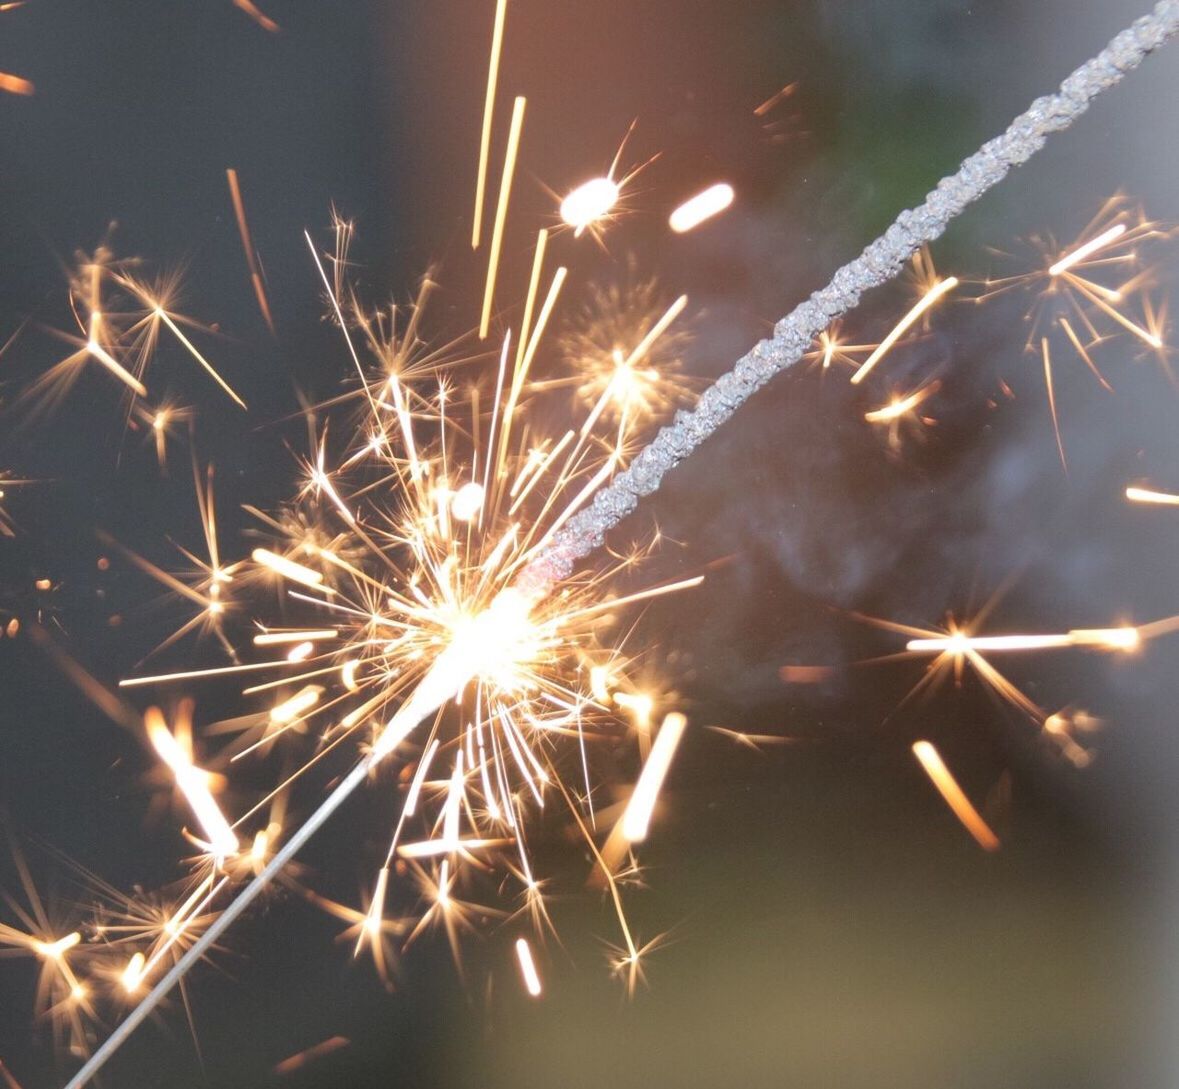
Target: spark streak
x,y
704,205
637,819
938,291
501,213
1149,495
528,967
497,38
947,786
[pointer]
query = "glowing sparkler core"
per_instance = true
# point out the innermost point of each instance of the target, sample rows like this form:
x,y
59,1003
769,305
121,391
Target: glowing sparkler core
x,y
491,644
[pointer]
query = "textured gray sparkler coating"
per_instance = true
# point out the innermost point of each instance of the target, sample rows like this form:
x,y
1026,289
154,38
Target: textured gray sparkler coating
x,y
880,262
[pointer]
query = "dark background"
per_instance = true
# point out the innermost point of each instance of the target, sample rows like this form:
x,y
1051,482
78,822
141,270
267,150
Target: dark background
x,y
832,924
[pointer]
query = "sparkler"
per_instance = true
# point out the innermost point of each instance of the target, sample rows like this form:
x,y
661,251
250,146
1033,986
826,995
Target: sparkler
x,y
468,634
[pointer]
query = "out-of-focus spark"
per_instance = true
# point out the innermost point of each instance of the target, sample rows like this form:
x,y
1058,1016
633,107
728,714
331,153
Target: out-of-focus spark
x,y
193,783
899,406
528,967
933,765
637,818
9,1081
497,37
16,85
704,205
775,98
243,228
501,212
936,292
296,1062
288,569
261,18
1149,495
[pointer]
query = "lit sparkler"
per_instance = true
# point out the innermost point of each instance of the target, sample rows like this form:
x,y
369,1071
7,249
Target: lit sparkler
x,y
452,633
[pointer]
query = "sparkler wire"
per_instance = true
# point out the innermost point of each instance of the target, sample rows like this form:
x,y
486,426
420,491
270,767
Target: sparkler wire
x,y
879,263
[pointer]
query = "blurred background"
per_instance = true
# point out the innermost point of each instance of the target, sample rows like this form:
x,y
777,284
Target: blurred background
x,y
829,923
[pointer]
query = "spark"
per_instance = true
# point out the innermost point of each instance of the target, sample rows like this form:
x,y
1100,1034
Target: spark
x,y
252,10
1076,256
528,967
1149,495
501,212
16,85
296,1062
497,37
937,291
958,643
243,228
703,206
637,818
288,569
933,765
774,99
193,783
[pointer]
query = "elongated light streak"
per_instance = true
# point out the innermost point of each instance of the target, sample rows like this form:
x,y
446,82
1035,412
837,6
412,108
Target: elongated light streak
x,y
280,565
1069,260
895,409
947,786
501,213
941,288
528,967
704,205
16,85
166,318
272,638
193,784
1148,495
243,229
637,818
497,38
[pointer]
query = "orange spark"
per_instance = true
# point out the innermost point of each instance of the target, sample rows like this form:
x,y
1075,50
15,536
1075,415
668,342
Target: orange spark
x,y
704,205
933,765
940,289
243,229
497,37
